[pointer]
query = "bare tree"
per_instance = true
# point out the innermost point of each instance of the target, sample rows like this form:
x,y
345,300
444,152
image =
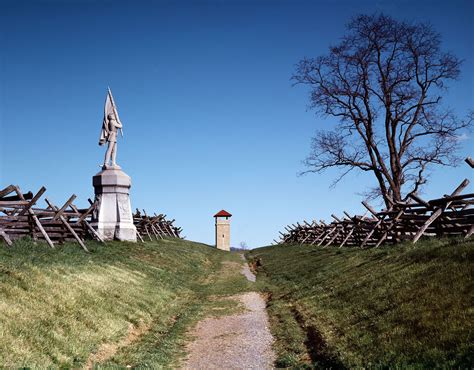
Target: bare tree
x,y
384,83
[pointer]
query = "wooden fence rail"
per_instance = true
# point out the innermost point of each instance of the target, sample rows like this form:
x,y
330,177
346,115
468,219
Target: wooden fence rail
x,y
410,220
154,227
20,216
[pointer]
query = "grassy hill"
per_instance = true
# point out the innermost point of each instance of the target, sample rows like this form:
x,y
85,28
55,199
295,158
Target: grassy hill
x,y
132,304
122,304
402,305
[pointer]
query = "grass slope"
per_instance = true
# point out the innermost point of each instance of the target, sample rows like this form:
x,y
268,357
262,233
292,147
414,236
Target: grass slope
x,y
129,304
403,305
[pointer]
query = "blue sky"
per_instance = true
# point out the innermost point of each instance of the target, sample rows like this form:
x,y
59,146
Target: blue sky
x,y
203,89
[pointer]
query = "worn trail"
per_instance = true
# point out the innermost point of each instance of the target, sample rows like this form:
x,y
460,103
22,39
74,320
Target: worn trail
x,y
235,341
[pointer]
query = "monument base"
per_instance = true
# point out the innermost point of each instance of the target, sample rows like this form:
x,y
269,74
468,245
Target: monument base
x,y
113,217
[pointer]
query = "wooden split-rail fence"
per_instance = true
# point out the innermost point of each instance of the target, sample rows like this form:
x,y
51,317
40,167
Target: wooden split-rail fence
x,y
450,215
20,216
155,227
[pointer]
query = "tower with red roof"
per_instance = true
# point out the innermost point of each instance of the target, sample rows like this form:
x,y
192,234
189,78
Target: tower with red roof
x,y
223,230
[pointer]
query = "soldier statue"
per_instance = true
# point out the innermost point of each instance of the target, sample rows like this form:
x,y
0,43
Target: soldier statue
x,y
112,216
110,125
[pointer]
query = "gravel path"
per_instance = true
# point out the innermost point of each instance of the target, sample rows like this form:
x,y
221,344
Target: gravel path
x,y
246,271
241,341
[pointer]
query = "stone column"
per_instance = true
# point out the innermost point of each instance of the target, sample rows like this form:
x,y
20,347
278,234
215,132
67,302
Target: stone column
x,y
113,217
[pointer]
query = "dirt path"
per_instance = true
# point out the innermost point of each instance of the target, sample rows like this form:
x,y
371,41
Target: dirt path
x,y
246,271
240,341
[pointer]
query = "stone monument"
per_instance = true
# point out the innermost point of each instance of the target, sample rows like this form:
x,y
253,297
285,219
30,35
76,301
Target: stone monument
x,y
113,216
223,230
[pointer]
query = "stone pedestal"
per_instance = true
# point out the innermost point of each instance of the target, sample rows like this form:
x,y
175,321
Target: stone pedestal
x,y
113,216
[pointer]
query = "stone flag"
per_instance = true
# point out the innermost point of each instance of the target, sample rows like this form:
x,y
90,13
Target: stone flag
x,y
109,108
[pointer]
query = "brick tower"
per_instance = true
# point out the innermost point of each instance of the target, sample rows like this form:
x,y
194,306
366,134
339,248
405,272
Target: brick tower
x,y
223,230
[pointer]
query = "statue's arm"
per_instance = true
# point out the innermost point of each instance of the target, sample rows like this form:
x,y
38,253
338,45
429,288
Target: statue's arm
x,y
118,124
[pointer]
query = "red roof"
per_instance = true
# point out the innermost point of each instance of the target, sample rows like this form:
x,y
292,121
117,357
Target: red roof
x,y
222,213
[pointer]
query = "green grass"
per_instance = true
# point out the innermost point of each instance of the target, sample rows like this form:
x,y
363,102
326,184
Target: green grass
x,y
407,305
209,299
57,307
401,306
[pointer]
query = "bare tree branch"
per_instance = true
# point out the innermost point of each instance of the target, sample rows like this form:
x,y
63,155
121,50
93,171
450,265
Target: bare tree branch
x,y
384,82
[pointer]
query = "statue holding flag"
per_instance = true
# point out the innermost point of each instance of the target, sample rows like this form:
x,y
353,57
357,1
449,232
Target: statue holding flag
x,y
110,125
112,217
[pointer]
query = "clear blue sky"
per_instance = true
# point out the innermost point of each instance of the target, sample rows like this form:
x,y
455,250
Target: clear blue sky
x,y
203,88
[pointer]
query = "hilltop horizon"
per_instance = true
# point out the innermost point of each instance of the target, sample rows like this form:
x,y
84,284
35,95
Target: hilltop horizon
x,y
211,119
